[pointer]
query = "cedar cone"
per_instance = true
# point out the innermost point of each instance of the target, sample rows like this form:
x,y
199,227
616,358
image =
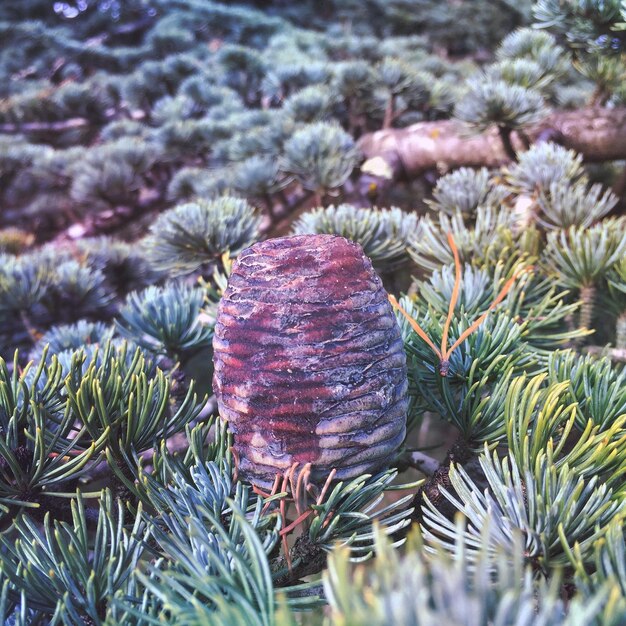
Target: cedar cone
x,y
309,361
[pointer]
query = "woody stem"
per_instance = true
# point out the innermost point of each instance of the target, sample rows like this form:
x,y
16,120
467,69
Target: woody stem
x,y
620,332
588,299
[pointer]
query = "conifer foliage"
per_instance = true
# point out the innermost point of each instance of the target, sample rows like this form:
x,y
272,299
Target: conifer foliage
x,y
144,145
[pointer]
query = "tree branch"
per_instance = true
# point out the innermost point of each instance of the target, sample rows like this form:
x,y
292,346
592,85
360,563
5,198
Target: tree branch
x,y
598,133
37,127
425,464
615,354
63,125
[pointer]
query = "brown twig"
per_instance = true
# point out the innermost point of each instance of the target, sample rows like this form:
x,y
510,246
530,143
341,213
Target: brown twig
x,y
423,463
615,354
598,133
443,353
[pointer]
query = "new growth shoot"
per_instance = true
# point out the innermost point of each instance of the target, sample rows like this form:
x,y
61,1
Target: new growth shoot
x,y
443,353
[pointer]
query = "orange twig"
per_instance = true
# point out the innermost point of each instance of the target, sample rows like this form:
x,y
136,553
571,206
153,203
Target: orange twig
x,y
299,487
269,495
503,292
329,519
260,492
455,295
444,353
283,516
303,477
66,457
236,463
329,480
414,325
295,523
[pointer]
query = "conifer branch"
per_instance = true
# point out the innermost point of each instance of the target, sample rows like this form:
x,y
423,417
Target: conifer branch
x,y
59,126
599,134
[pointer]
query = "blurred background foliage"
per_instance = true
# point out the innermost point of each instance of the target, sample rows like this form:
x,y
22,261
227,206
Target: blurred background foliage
x,y
143,145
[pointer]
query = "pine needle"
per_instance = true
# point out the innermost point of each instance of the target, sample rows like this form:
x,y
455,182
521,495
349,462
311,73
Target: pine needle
x,y
414,325
453,300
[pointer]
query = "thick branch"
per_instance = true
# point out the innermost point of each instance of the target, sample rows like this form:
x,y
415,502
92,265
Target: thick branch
x,y
598,133
37,127
63,125
617,355
427,465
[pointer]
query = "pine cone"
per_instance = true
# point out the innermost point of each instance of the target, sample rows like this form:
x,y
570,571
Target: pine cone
x,y
309,361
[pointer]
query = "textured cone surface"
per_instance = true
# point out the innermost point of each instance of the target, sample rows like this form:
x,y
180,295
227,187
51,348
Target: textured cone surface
x,y
309,362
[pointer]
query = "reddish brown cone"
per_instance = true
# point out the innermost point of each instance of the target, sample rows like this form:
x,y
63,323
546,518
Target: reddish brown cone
x,y
309,362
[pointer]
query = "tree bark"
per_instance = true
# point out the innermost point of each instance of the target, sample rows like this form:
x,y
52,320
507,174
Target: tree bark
x,y
598,133
67,124
38,127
